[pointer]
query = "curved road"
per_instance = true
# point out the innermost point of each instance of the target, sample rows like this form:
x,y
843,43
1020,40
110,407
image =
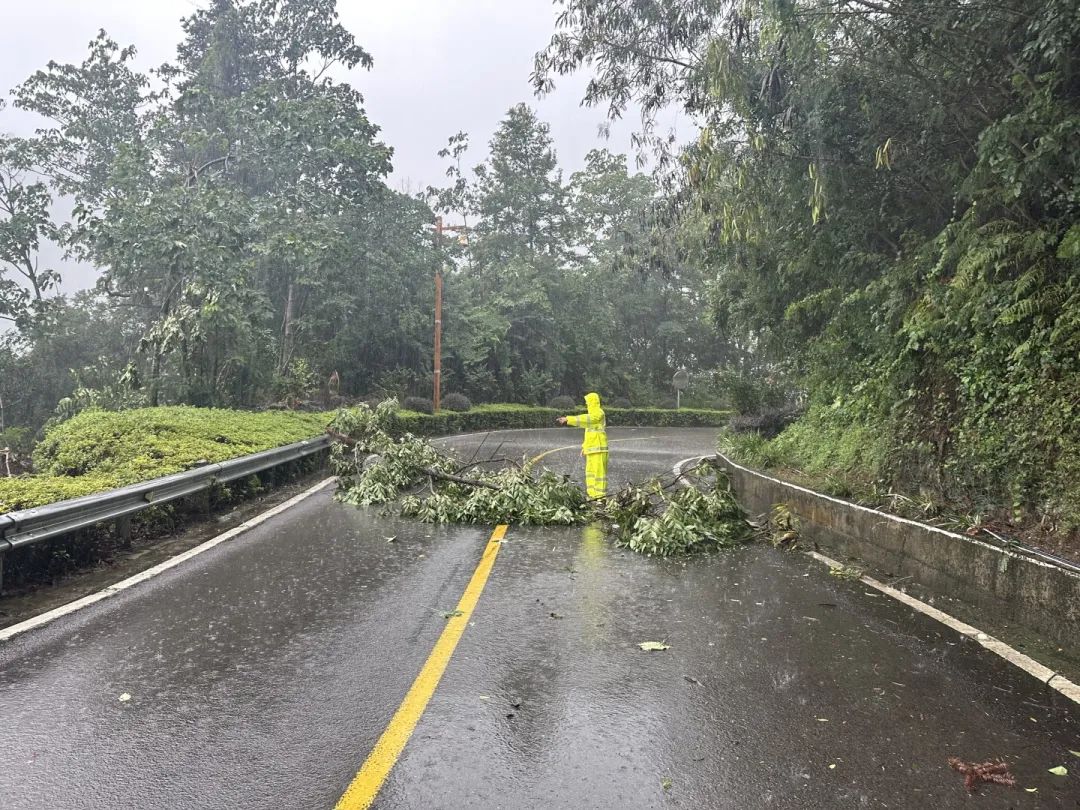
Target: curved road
x,y
262,672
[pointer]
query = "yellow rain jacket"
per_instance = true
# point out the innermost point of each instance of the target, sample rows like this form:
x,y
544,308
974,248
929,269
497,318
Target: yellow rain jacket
x,y
594,447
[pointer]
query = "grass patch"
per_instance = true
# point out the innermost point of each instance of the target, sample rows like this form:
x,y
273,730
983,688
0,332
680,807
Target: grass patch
x,y
843,456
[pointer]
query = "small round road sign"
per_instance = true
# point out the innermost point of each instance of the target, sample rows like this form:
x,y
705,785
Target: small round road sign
x,y
681,380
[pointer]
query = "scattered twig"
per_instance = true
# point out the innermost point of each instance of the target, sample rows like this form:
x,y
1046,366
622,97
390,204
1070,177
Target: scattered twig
x,y
479,447
976,773
703,463
500,460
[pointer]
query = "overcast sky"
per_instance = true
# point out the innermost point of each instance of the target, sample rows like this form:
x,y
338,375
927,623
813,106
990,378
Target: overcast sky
x,y
440,66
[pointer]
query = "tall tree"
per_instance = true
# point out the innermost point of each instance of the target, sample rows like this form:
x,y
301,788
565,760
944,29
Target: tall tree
x,y
25,222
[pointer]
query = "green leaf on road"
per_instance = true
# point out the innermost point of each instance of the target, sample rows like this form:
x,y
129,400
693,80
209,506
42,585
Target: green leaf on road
x,y
665,783
1060,770
1074,753
450,614
651,646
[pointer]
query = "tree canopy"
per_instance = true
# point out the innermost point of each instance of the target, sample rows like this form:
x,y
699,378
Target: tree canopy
x,y
884,199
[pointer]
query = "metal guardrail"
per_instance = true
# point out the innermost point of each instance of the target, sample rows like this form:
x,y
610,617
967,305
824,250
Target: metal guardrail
x,y
28,526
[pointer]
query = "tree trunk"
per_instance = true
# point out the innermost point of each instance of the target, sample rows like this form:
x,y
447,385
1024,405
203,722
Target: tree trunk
x,y
287,330
155,374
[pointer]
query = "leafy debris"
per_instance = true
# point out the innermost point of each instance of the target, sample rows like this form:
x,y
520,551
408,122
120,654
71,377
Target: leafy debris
x,y
845,572
377,464
783,527
654,646
650,521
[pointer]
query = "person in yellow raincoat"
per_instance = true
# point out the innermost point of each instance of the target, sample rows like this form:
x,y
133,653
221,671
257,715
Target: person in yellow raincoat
x,y
594,447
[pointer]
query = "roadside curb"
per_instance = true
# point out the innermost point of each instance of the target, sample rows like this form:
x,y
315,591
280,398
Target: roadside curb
x,y
1042,673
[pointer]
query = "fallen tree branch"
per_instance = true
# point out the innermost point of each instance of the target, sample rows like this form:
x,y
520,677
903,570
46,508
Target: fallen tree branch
x,y
348,441
456,479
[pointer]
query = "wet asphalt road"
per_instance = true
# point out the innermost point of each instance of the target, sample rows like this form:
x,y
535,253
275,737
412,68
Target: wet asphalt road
x,y
263,671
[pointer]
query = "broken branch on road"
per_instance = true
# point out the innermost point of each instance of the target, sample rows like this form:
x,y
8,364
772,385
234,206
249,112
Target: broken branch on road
x,y
378,464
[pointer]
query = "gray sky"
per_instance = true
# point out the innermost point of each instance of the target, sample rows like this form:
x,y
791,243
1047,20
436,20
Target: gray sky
x,y
440,67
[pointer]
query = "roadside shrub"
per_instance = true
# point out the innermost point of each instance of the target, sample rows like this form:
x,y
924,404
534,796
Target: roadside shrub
x,y
419,405
563,402
749,394
99,450
457,402
619,402
296,383
768,423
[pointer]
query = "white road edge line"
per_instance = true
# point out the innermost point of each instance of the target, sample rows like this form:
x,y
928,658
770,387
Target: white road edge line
x,y
996,646
51,615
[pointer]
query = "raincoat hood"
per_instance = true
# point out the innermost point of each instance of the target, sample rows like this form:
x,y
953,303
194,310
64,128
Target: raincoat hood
x,y
592,402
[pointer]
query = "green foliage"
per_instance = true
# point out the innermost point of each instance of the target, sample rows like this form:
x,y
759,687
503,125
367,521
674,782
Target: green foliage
x,y
886,200
521,498
238,214
297,382
561,287
18,440
100,450
379,461
846,456
25,222
747,393
651,522
144,443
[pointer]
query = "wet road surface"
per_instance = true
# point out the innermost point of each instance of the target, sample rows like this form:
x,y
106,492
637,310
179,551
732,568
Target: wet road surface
x,y
262,672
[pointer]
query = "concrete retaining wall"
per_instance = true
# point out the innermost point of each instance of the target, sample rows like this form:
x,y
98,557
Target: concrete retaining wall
x,y
1037,594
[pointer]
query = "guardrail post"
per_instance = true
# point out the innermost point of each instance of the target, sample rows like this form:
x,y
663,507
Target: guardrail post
x,y
123,531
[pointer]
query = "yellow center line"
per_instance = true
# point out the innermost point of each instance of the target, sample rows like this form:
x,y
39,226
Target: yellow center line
x,y
547,453
366,784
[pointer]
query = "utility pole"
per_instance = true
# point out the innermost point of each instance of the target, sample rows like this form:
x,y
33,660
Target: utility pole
x,y
439,228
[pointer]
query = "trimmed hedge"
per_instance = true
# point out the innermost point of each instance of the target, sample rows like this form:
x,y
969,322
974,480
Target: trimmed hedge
x,y
100,450
522,417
